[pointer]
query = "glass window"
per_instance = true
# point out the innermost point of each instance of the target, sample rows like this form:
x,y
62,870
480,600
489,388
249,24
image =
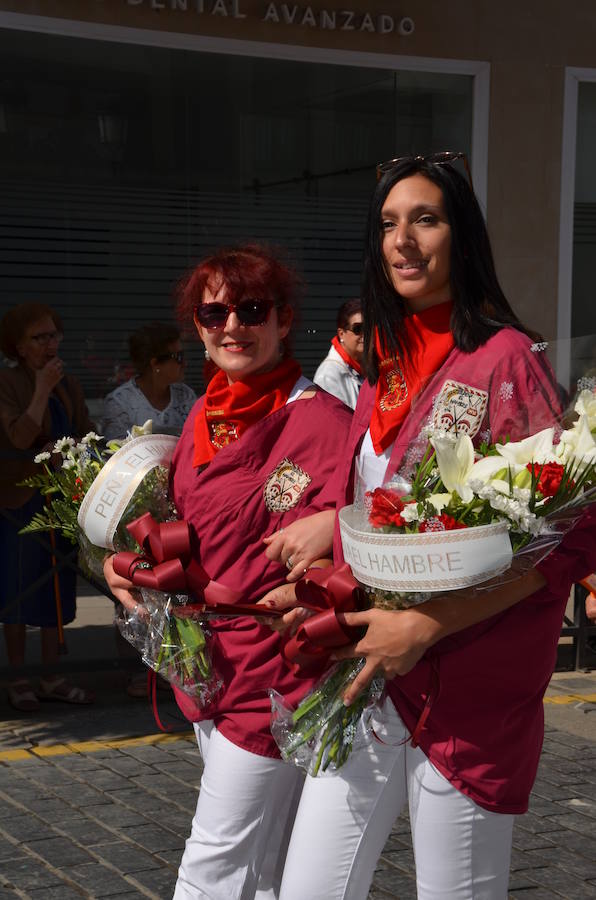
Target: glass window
x,y
123,164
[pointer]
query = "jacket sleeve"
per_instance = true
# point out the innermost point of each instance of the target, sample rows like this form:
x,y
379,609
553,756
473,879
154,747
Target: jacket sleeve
x,y
21,430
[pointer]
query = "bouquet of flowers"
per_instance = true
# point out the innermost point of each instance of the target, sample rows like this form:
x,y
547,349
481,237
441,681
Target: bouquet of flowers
x,y
466,518
94,493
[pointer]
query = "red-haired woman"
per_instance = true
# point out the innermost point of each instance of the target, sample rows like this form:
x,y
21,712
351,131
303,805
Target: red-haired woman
x,y
257,452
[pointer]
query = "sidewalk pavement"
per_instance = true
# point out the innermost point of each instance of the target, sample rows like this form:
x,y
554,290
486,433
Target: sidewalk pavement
x,y
96,803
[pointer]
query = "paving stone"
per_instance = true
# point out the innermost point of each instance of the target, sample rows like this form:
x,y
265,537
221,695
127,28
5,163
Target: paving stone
x,y
146,753
538,824
549,791
576,822
541,807
519,881
402,859
50,776
158,783
181,771
395,882
582,844
138,798
29,873
559,882
106,780
171,857
583,805
59,852
565,859
22,827
64,892
153,838
99,880
526,840
531,893
117,815
125,857
81,795
53,809
160,881
8,894
9,850
125,765
87,832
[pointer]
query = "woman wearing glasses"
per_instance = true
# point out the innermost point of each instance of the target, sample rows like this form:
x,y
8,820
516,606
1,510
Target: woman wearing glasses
x,y
460,733
257,452
39,404
156,392
341,372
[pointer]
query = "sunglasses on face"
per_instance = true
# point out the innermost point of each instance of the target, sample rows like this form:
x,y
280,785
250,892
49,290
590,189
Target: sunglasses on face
x,y
356,328
178,355
436,159
248,311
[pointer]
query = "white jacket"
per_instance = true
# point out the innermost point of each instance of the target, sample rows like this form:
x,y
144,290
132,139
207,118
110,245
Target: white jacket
x,y
338,378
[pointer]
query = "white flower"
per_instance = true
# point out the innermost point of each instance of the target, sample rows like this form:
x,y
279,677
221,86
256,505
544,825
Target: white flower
x,y
585,405
410,512
577,446
91,437
457,466
41,457
439,501
68,463
145,428
537,448
63,444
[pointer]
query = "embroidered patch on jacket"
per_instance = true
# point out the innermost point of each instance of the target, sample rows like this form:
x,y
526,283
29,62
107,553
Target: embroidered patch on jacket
x,y
459,408
222,433
285,486
397,389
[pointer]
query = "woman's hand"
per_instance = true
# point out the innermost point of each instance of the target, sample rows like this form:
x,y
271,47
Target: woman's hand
x,y
49,376
284,597
121,588
303,542
394,642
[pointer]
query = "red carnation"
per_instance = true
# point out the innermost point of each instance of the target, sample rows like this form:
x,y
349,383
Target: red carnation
x,y
443,522
385,508
549,477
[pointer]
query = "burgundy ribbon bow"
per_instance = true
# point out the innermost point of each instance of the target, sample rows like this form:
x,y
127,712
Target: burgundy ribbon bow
x,y
328,592
166,564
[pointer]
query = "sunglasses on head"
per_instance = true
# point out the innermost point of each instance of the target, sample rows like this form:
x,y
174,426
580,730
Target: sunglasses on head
x,y
356,328
436,159
250,311
178,356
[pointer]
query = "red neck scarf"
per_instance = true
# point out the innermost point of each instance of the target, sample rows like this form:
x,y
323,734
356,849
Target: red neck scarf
x,y
346,356
229,409
428,335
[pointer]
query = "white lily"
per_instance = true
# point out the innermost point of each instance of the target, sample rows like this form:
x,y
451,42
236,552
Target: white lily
x,y
577,444
455,459
586,405
538,448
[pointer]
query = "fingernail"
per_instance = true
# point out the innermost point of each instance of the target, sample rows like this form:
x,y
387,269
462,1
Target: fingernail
x,y
270,603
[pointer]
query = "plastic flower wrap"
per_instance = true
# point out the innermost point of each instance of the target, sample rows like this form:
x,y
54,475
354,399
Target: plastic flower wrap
x,y
94,493
467,519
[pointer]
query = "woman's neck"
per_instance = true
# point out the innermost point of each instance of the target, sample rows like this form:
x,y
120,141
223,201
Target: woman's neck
x,y
157,393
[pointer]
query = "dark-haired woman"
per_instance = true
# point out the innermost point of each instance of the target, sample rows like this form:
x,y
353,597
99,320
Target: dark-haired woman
x,y
256,453
460,733
39,404
156,392
341,372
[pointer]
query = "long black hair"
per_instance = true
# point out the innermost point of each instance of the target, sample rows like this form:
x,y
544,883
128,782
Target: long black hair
x,y
480,308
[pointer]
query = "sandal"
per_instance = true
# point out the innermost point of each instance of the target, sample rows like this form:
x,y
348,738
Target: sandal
x,y
60,689
21,696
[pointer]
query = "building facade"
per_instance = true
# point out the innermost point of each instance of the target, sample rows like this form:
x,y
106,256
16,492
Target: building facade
x,y
137,135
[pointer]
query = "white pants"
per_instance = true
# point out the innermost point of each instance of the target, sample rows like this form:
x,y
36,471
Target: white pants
x,y
462,852
240,831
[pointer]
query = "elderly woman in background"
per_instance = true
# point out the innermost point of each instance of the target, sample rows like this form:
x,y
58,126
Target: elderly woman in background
x,y
38,405
156,392
341,372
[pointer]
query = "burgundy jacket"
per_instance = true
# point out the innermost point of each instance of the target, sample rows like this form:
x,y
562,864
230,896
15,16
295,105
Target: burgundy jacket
x,y
277,472
485,728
